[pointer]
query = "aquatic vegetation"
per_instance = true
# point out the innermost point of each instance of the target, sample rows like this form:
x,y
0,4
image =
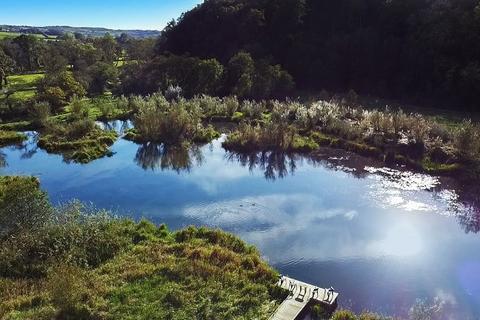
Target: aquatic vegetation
x,y
272,136
80,262
344,315
79,141
10,138
161,121
467,140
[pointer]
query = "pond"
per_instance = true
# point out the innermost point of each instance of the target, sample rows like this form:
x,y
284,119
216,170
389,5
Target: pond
x,y
385,239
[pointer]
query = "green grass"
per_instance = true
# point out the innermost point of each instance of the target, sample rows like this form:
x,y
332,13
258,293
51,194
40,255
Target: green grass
x,y
9,35
24,81
23,86
440,168
76,262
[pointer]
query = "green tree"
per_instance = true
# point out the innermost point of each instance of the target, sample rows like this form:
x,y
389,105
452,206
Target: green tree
x,y
6,67
23,206
108,47
103,77
59,88
240,74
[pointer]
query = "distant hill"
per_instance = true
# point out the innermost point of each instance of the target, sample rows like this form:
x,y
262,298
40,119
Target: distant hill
x,y
87,31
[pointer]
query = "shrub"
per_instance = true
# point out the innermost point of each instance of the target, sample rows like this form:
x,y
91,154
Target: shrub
x,y
320,313
69,292
55,96
40,112
59,88
80,128
173,93
23,206
122,103
240,74
158,120
78,108
344,315
467,140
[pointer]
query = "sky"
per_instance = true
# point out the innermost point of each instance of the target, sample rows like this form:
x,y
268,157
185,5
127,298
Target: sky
x,y
115,14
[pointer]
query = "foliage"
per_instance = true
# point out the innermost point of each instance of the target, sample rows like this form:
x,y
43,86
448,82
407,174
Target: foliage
x,y
59,89
344,315
193,75
103,77
23,207
40,112
467,140
397,49
11,138
82,263
158,120
79,140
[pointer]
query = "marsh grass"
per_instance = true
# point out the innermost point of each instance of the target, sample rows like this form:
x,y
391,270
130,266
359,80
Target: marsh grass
x,y
79,140
171,122
8,138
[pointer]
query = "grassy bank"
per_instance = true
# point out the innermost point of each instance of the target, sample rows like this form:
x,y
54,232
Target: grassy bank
x,y
76,262
11,138
395,137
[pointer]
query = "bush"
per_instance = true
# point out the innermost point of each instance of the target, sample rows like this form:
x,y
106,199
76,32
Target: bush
x,y
23,206
69,292
344,315
78,108
320,313
467,140
40,113
80,128
161,121
173,93
59,88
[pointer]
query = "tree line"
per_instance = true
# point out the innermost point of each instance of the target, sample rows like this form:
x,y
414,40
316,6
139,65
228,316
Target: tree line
x,y
75,65
422,50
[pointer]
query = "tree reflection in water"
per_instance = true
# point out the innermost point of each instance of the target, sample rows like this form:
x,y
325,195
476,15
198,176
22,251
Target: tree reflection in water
x,y
278,165
153,156
469,215
119,126
274,164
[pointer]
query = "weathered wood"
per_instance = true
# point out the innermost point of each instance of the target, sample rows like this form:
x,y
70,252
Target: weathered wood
x,y
301,294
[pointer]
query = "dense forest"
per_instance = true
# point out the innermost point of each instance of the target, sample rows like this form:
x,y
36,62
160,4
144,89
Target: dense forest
x,y
420,50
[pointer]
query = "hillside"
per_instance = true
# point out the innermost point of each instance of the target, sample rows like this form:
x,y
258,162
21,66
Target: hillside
x,y
420,50
87,31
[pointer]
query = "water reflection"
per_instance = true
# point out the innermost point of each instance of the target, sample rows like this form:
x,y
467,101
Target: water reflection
x,y
119,126
382,237
27,149
273,164
469,214
152,156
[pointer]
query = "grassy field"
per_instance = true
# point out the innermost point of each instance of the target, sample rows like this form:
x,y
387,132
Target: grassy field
x,y
8,35
24,86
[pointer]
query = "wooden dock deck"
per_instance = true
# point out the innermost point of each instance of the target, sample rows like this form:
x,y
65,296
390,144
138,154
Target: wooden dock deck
x,y
301,295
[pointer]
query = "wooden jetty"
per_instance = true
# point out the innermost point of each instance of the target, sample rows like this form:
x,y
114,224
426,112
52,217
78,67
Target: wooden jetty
x,y
302,295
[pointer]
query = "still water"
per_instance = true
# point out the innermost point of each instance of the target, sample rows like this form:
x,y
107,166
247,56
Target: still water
x,y
385,239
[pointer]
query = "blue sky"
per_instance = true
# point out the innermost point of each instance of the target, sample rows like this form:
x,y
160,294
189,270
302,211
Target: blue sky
x,y
118,14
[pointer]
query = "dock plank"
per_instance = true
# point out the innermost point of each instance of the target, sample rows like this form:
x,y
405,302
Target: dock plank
x,y
301,294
